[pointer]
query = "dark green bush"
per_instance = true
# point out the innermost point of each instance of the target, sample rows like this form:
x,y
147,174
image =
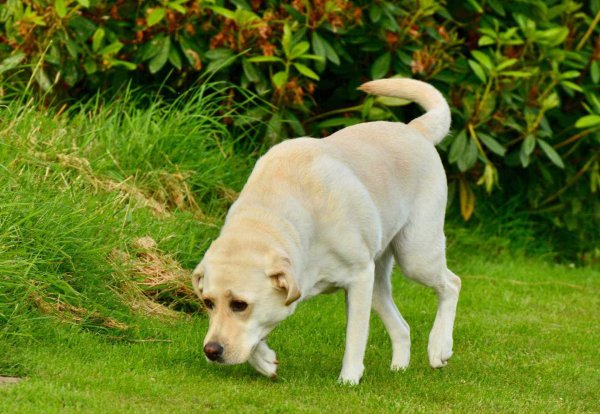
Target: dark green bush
x,y
522,77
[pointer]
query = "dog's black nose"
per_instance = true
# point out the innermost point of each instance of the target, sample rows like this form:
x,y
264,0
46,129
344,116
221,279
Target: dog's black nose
x,y
213,350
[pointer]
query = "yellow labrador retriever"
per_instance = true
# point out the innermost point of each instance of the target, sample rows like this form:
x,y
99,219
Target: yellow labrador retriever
x,y
317,215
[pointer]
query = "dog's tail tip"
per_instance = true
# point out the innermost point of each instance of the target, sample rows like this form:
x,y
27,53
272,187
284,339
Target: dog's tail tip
x,y
434,124
365,87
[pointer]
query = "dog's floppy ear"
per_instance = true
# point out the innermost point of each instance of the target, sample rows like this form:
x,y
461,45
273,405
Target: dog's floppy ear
x,y
282,279
197,279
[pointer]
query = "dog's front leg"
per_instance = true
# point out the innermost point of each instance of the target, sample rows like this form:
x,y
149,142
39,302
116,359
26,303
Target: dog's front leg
x,y
358,310
264,360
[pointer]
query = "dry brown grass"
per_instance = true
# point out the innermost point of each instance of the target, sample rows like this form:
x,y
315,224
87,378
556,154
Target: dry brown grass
x,y
162,193
228,194
156,284
67,313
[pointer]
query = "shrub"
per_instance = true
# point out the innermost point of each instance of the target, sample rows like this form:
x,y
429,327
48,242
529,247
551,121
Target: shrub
x,y
522,77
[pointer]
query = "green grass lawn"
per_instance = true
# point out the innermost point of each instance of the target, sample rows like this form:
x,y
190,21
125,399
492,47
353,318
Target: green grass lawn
x,y
526,340
80,188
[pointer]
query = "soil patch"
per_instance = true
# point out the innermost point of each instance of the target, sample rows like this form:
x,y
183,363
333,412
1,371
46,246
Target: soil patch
x,y
9,380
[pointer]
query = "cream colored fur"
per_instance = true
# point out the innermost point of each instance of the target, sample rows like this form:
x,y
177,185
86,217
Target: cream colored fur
x,y
317,215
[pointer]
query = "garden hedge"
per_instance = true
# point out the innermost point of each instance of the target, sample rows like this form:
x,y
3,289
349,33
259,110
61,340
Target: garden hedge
x,y
522,76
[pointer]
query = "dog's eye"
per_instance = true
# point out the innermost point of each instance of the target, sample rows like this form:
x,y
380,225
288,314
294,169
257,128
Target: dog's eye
x,y
238,305
209,303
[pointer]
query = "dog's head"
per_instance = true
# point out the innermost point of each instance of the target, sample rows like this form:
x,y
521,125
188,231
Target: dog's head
x,y
247,290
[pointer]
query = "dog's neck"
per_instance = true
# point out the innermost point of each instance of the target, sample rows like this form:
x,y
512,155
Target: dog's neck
x,y
260,223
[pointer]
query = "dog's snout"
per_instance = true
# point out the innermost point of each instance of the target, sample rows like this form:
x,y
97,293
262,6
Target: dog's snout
x,y
213,350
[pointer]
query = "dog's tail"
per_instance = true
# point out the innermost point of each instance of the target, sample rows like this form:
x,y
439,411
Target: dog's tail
x,y
435,122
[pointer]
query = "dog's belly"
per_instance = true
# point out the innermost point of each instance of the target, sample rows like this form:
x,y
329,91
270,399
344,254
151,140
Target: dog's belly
x,y
322,286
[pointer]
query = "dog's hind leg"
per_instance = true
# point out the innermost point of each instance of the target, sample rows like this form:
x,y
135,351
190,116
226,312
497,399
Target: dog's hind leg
x,y
420,251
384,305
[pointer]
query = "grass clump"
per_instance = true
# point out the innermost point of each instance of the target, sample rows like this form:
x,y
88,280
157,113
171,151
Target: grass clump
x,y
159,285
104,177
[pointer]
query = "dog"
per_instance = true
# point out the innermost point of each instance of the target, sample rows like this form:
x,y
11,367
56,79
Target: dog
x,y
318,215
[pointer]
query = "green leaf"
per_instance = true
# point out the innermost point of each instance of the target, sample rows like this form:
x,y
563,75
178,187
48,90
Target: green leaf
x,y
391,101
312,57
381,66
223,12
488,178
42,79
340,121
72,48
84,3
595,71
299,49
61,8
551,101
245,17
570,74
220,59
492,144
219,54
158,61
286,40
487,106
53,55
176,6
486,41
552,37
571,85
97,39
332,55
478,70
523,157
475,6
280,79
322,48
175,57
468,158
497,6
260,59
377,114
122,63
517,73
458,146
318,45
250,71
528,144
551,153
588,121
11,61
156,16
306,71
111,49
483,59
151,49
374,13
90,66
505,64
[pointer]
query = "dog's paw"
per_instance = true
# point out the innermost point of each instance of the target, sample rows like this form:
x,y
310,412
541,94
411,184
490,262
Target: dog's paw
x,y
439,353
351,376
400,363
264,360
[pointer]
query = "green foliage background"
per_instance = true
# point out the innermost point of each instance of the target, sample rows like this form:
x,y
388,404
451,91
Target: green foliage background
x,y
522,78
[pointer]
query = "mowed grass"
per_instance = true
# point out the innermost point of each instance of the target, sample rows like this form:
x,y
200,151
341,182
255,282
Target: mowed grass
x,y
81,184
526,340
